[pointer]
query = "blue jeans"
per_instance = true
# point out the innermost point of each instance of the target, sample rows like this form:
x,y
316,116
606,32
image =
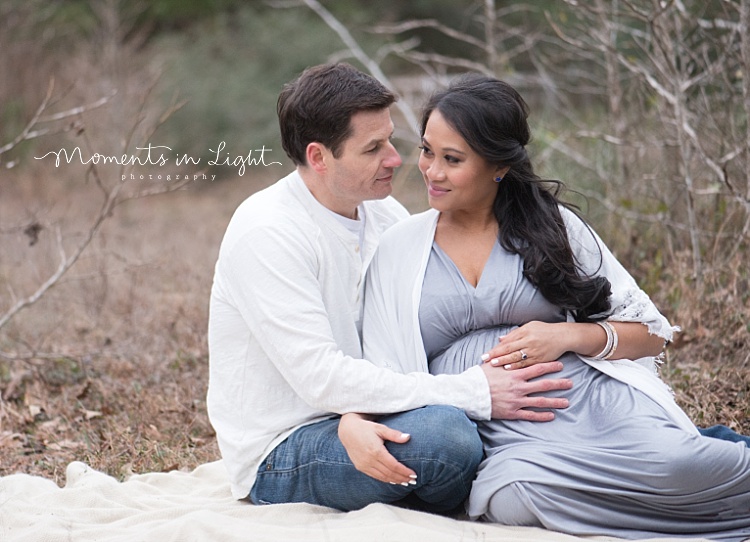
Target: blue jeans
x,y
724,433
312,465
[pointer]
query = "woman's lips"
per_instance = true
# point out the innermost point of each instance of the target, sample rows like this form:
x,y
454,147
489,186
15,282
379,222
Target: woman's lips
x,y
436,191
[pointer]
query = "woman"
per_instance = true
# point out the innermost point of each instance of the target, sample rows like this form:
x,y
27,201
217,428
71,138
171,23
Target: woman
x,y
499,255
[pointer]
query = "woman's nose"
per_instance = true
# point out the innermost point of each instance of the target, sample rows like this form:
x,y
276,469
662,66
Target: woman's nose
x,y
435,171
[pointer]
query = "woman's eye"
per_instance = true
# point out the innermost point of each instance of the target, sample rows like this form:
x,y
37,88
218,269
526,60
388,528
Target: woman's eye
x,y
425,150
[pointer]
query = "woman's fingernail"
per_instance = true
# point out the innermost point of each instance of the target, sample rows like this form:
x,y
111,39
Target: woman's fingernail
x,y
509,366
392,483
495,362
405,484
414,476
485,357
413,483
405,435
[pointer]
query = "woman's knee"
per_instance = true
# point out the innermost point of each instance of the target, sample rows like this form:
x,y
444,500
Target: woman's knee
x,y
508,507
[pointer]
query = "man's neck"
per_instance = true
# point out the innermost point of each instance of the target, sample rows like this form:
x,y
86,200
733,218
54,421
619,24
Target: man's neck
x,y
321,193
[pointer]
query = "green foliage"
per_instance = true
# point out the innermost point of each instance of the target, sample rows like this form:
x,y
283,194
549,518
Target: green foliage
x,y
181,13
11,119
231,70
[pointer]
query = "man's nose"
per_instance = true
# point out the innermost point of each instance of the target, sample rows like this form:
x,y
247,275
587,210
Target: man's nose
x,y
393,159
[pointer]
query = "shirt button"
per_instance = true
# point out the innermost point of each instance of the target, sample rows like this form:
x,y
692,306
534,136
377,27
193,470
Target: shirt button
x,y
356,249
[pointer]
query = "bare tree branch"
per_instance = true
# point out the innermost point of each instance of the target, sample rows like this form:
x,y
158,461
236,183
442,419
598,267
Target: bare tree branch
x,y
112,198
359,54
455,62
29,133
415,24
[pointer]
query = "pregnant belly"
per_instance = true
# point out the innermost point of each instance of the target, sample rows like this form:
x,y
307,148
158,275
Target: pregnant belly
x,y
466,351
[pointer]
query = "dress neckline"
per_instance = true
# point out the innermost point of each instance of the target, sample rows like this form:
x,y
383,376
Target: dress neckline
x,y
473,288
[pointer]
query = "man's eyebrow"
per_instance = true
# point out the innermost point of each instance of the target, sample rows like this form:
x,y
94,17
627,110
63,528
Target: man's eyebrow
x,y
378,140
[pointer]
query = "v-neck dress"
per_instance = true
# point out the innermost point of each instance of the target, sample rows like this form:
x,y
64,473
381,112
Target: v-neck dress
x,y
613,463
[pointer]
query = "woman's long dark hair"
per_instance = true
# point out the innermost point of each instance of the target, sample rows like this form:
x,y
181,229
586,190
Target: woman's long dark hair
x,y
491,117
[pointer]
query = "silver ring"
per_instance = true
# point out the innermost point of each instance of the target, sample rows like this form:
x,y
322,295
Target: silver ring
x,y
523,355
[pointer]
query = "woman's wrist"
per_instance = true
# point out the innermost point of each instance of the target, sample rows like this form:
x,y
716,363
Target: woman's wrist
x,y
610,347
608,340
591,339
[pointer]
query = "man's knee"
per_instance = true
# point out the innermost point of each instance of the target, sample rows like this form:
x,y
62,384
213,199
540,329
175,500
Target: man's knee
x,y
450,426
445,433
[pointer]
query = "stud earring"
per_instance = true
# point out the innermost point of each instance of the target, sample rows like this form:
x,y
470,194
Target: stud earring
x,y
498,179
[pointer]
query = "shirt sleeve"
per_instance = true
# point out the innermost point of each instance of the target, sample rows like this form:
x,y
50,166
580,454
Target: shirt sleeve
x,y
273,281
629,303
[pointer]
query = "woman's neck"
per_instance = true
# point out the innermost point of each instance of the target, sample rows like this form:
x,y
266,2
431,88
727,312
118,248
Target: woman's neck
x,y
469,221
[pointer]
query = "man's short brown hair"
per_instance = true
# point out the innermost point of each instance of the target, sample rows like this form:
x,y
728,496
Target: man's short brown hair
x,y
319,104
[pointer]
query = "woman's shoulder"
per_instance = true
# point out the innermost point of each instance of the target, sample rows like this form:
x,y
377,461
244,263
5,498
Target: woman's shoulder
x,y
409,234
580,232
573,220
411,226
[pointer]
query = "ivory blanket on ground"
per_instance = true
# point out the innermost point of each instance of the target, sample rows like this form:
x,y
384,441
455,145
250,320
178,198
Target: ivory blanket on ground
x,y
197,506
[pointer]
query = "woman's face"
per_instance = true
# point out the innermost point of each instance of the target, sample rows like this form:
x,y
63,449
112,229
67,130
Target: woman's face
x,y
457,178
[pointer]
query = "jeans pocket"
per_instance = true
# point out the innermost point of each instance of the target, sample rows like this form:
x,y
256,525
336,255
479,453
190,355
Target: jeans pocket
x,y
283,457
268,462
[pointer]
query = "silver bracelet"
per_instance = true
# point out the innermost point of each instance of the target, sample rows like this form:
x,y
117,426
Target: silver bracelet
x,y
614,342
611,339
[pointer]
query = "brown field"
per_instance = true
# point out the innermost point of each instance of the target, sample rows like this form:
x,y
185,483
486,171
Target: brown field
x,y
120,374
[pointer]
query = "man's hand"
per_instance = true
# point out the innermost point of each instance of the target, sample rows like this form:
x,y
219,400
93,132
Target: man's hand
x,y
364,443
510,390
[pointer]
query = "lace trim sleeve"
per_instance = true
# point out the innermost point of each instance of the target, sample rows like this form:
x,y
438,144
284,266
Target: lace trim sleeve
x,y
636,306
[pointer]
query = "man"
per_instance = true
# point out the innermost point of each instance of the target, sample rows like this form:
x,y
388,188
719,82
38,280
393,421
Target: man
x,y
284,329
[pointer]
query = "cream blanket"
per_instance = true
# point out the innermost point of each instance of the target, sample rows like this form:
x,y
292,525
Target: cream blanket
x,y
198,506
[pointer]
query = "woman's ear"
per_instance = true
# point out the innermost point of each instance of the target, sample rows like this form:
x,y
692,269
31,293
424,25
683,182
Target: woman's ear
x,y
317,155
502,171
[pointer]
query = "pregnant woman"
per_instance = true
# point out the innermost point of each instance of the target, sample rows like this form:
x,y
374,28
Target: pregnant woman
x,y
500,256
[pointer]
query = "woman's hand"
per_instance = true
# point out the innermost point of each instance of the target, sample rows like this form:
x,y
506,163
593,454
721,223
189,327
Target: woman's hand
x,y
532,343
537,342
364,441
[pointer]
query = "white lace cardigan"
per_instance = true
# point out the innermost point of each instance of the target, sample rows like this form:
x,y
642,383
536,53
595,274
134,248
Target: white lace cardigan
x,y
391,333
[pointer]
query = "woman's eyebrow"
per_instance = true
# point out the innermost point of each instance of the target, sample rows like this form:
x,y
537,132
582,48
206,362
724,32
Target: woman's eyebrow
x,y
443,149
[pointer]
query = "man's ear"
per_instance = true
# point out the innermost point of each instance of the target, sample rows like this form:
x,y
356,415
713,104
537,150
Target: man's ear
x,y
317,156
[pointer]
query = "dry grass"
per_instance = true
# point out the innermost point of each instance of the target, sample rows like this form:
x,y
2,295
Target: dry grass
x,y
130,396
709,363
131,317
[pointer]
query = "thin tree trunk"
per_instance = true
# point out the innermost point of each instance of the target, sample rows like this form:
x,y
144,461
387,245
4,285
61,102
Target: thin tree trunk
x,y
490,18
745,47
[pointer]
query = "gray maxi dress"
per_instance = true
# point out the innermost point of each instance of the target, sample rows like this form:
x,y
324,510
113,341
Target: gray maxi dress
x,y
612,463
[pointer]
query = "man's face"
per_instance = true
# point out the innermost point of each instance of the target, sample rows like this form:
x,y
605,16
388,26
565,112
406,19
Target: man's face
x,y
364,170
